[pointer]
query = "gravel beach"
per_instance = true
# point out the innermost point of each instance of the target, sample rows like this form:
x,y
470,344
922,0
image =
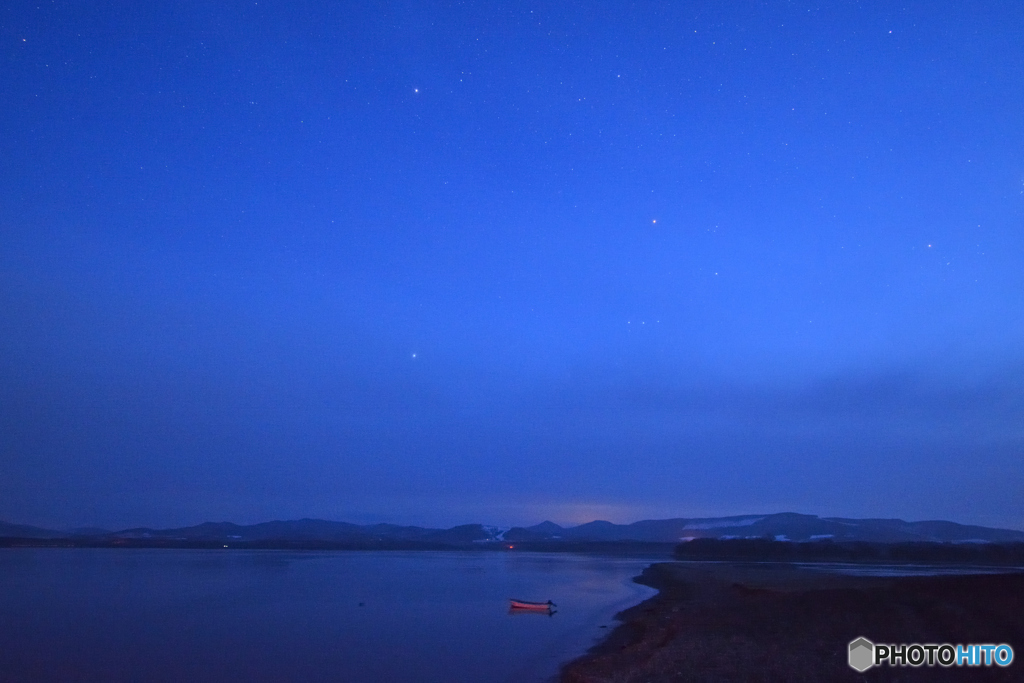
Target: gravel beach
x,y
764,622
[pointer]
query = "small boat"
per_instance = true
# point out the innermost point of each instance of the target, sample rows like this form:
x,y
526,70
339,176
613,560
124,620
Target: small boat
x,y
531,606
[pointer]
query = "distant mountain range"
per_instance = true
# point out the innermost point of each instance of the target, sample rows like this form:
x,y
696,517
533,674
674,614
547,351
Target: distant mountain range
x,y
785,526
320,533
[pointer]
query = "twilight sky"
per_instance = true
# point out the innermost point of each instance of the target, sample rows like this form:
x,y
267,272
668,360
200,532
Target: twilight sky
x,y
438,262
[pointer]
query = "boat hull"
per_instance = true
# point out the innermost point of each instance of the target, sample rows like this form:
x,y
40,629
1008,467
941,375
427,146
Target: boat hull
x,y
531,606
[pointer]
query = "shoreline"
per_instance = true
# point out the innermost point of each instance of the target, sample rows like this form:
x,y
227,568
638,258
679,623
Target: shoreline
x,y
640,549
778,622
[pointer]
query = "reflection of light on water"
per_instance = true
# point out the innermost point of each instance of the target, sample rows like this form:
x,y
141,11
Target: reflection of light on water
x,y
536,612
332,615
588,591
904,569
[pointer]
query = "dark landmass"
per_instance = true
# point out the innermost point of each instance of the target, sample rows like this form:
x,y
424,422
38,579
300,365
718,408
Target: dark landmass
x,y
773,622
616,548
783,526
766,550
313,534
199,543
636,548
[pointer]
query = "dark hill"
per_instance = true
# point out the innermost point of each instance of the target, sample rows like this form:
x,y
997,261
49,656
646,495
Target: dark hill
x,y
323,533
786,526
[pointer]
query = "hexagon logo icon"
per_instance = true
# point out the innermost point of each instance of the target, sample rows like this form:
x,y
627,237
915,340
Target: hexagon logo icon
x,y
862,654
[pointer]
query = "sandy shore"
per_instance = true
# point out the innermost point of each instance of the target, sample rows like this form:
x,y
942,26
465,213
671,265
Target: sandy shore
x,y
720,622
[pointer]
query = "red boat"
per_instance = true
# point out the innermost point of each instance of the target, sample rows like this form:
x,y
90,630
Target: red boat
x,y
531,606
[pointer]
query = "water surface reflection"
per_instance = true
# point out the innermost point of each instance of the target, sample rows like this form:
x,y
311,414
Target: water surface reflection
x,y
173,615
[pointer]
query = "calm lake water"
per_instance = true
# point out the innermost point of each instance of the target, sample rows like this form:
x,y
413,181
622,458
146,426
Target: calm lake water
x,y
197,615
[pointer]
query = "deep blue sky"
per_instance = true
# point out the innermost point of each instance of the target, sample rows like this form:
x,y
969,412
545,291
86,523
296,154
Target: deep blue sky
x,y
448,262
